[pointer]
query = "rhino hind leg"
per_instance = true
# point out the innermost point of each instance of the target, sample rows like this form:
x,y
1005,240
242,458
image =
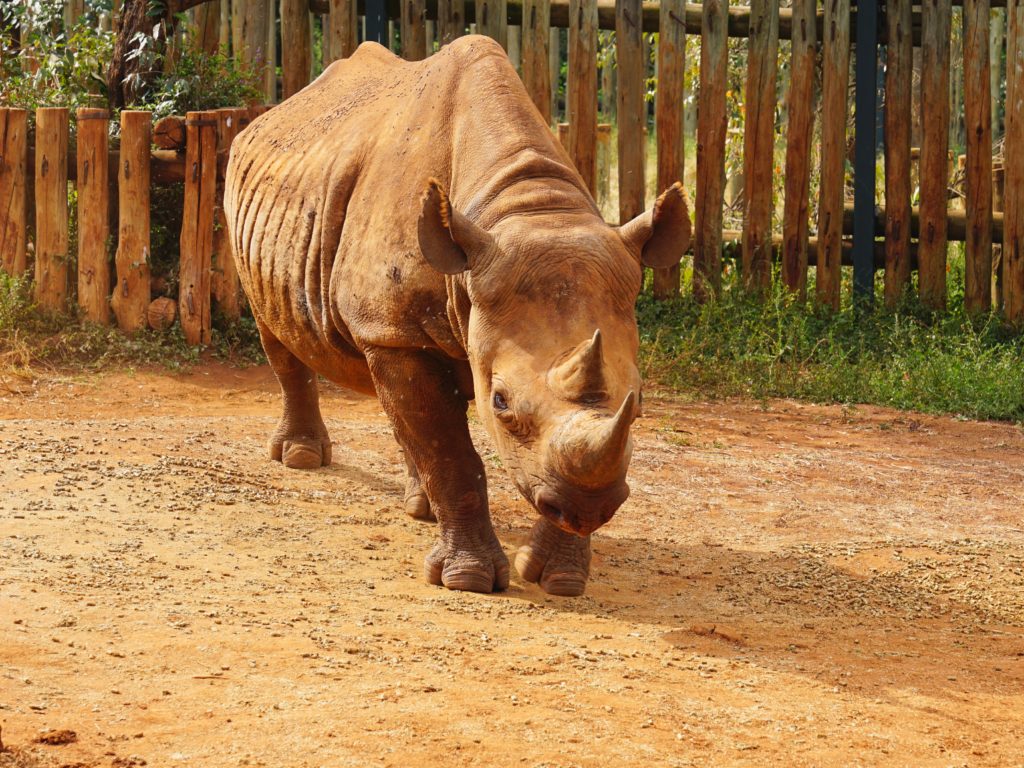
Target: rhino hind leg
x,y
558,561
417,505
300,441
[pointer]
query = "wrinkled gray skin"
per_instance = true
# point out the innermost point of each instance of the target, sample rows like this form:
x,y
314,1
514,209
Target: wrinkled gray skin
x,y
412,230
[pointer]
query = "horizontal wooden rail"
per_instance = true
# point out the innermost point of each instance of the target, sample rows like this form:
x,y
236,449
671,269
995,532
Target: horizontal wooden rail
x,y
166,166
739,17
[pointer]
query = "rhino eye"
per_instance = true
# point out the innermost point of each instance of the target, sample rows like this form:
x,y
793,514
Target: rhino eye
x,y
500,404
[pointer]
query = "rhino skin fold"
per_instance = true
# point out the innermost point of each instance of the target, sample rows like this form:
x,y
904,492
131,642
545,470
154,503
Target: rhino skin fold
x,y
413,230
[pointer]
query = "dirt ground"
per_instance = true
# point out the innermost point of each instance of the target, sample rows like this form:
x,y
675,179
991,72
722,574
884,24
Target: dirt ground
x,y
787,585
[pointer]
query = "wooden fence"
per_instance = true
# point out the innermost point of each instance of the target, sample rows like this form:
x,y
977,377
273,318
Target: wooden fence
x,y
900,238
208,280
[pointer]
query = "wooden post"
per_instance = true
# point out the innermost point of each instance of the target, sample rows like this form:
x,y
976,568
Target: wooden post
x,y
998,196
631,108
130,298
207,26
251,26
554,67
414,30
936,25
492,20
224,276
759,142
343,22
13,190
712,123
1013,152
581,102
93,223
796,206
899,73
270,76
536,71
835,80
296,46
225,28
52,206
978,117
197,226
451,20
669,118
515,47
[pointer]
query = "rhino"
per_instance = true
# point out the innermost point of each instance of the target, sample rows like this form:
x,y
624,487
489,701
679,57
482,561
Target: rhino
x,y
413,230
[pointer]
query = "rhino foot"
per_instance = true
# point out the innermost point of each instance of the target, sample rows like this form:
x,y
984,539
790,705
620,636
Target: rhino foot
x,y
297,452
468,562
558,561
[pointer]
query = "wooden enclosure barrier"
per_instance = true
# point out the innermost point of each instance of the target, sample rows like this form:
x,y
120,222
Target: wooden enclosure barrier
x,y
629,52
130,298
1013,151
669,116
899,97
52,206
581,102
197,227
224,285
978,129
796,211
93,216
13,190
712,123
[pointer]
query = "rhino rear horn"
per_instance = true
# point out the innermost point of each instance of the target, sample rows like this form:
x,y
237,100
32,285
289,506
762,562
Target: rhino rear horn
x,y
449,241
662,234
581,375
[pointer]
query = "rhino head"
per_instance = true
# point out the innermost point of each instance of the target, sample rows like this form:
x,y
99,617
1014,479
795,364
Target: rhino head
x,y
553,341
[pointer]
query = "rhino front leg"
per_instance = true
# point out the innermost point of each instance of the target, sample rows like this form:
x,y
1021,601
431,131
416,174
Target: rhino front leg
x,y
301,440
558,561
428,412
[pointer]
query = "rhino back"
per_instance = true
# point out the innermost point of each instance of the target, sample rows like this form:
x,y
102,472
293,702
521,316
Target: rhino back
x,y
323,192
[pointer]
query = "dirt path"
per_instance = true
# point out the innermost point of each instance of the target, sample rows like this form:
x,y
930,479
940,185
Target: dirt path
x,y
792,586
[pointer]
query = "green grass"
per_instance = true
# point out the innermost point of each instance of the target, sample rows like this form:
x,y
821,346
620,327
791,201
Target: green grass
x,y
32,336
778,346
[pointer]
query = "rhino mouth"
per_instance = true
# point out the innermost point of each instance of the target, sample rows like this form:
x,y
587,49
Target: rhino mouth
x,y
569,517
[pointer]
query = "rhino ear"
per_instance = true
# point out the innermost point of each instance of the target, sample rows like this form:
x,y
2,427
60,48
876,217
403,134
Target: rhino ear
x,y
662,234
449,241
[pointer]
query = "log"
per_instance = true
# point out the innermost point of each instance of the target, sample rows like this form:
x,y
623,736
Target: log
x,y
978,124
759,142
414,30
899,96
1013,152
712,123
536,55
161,313
835,80
52,206
492,20
668,114
296,47
800,131
14,165
937,22
581,97
93,224
224,287
169,132
252,22
451,19
631,109
131,294
197,226
343,28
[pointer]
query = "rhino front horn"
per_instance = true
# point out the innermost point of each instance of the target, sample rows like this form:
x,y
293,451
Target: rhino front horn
x,y
581,375
598,453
